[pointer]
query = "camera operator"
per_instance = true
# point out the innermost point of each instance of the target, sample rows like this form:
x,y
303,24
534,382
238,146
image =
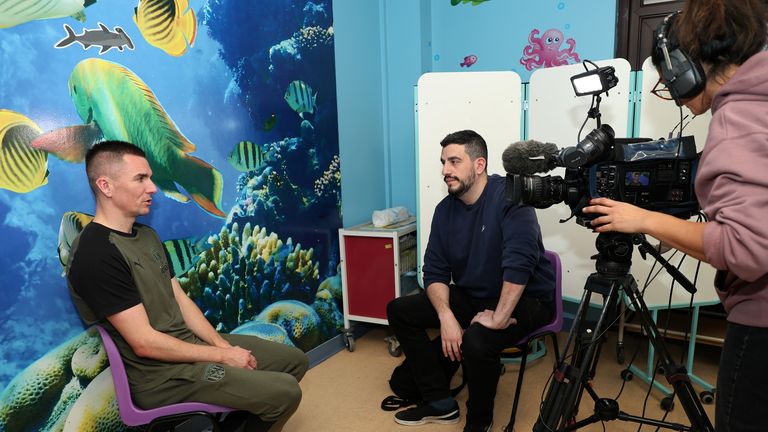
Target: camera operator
x,y
731,185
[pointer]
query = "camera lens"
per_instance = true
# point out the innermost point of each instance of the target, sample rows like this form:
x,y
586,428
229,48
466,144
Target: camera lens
x,y
542,192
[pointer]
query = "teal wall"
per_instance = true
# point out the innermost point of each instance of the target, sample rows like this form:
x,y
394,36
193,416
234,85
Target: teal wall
x,y
384,46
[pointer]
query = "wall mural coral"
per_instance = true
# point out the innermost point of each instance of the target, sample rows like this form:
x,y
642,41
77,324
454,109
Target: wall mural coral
x,y
235,107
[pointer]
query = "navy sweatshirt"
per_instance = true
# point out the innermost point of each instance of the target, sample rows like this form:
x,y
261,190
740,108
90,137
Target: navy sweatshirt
x,y
480,245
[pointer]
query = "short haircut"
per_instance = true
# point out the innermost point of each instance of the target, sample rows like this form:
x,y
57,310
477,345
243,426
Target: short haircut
x,y
473,143
105,155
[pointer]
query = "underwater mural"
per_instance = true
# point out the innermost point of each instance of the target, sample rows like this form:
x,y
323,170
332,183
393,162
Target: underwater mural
x,y
240,129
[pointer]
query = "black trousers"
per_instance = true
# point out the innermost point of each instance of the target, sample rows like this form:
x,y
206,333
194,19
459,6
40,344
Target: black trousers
x,y
742,380
411,315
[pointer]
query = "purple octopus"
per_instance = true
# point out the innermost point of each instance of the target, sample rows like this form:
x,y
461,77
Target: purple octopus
x,y
545,50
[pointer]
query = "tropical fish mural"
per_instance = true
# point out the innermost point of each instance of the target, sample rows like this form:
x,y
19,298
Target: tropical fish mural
x,y
22,168
270,123
300,98
69,143
15,12
101,37
124,108
183,254
247,156
473,2
217,129
72,224
167,24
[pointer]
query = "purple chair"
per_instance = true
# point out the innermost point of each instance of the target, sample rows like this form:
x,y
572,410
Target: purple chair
x,y
168,416
524,345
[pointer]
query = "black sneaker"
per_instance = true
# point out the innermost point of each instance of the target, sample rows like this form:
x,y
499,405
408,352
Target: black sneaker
x,y
477,428
428,414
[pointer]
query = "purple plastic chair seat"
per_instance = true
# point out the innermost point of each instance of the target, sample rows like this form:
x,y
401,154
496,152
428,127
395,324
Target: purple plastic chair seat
x,y
135,416
551,329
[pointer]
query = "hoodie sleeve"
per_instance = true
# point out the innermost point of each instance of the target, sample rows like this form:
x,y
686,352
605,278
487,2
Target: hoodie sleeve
x,y
736,173
521,233
436,266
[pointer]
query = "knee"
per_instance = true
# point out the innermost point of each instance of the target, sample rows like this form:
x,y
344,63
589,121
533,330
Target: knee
x,y
286,398
394,309
474,347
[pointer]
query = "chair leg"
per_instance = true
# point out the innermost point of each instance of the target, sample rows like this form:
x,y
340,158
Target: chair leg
x,y
554,346
511,425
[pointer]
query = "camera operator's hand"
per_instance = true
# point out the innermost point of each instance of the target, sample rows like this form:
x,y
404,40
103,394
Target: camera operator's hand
x,y
617,216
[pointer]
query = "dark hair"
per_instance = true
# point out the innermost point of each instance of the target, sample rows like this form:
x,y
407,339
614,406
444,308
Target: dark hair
x,y
473,143
719,33
104,154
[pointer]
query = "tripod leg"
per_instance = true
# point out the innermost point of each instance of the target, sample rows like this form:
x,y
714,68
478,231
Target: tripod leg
x,y
675,373
564,393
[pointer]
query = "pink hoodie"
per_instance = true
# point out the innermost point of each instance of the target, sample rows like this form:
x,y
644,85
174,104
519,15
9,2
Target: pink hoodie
x,y
732,187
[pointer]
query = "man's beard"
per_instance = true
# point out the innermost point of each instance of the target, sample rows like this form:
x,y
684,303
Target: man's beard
x,y
463,186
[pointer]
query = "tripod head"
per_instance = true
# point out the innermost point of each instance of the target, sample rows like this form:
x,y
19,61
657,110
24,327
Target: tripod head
x,y
614,254
614,257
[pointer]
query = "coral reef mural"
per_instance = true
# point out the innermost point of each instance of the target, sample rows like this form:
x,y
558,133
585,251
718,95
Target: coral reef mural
x,y
235,106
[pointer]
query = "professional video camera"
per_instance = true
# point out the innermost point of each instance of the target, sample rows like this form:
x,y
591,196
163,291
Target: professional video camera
x,y
655,175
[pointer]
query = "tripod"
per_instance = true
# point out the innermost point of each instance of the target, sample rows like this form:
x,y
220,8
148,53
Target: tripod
x,y
560,407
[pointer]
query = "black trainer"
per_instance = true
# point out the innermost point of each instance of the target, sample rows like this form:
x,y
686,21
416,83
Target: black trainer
x,y
477,428
428,414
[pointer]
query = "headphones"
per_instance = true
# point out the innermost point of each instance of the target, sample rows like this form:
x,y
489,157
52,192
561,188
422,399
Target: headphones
x,y
683,76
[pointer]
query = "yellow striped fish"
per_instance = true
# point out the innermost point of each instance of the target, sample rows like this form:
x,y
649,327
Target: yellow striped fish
x,y
22,168
247,156
15,12
300,98
72,224
184,253
167,24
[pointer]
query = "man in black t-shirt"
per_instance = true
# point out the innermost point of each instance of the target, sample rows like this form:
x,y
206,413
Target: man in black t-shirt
x,y
119,277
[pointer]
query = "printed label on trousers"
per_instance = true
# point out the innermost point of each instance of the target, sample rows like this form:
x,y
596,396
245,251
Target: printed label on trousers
x,y
214,373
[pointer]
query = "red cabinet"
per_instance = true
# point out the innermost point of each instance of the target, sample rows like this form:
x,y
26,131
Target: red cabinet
x,y
377,265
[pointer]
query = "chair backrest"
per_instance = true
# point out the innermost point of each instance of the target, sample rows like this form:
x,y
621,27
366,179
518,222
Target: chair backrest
x,y
557,320
556,324
130,413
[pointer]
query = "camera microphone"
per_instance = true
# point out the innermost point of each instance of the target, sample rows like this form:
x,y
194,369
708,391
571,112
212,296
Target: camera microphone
x,y
529,157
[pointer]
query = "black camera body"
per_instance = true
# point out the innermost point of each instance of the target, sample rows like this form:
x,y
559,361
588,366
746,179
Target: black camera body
x,y
655,175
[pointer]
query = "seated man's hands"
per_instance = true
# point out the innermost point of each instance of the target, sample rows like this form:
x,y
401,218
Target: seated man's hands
x,y
238,357
486,319
451,333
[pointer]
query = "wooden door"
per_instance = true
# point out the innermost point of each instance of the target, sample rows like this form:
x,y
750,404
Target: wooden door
x,y
637,20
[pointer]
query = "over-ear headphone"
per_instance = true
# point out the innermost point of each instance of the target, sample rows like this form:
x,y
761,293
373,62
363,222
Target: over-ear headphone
x,y
683,76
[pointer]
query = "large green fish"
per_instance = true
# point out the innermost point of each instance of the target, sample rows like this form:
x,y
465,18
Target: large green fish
x,y
124,108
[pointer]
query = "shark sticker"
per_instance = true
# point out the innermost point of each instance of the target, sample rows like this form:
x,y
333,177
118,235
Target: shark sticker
x,y
101,37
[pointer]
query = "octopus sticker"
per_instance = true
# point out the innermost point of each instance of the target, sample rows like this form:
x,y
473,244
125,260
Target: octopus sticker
x,y
545,51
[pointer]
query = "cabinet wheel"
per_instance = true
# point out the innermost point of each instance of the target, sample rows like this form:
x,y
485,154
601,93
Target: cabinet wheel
x,y
707,397
349,342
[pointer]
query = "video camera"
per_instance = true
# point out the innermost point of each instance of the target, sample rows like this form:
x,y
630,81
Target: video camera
x,y
655,175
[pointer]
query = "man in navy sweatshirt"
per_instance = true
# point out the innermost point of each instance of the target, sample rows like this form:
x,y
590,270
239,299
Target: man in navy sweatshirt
x,y
487,283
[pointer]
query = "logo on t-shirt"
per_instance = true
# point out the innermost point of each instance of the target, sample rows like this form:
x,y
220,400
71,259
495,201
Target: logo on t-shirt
x,y
160,259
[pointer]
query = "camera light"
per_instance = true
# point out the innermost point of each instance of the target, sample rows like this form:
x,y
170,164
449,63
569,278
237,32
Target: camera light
x,y
595,81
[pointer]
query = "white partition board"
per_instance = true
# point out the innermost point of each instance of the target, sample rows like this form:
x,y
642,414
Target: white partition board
x,y
490,103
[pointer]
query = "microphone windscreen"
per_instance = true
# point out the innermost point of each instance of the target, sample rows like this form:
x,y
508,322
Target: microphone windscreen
x,y
528,157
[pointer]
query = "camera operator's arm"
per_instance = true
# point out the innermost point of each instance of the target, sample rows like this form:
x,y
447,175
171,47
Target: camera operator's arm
x,y
501,317
450,329
618,216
